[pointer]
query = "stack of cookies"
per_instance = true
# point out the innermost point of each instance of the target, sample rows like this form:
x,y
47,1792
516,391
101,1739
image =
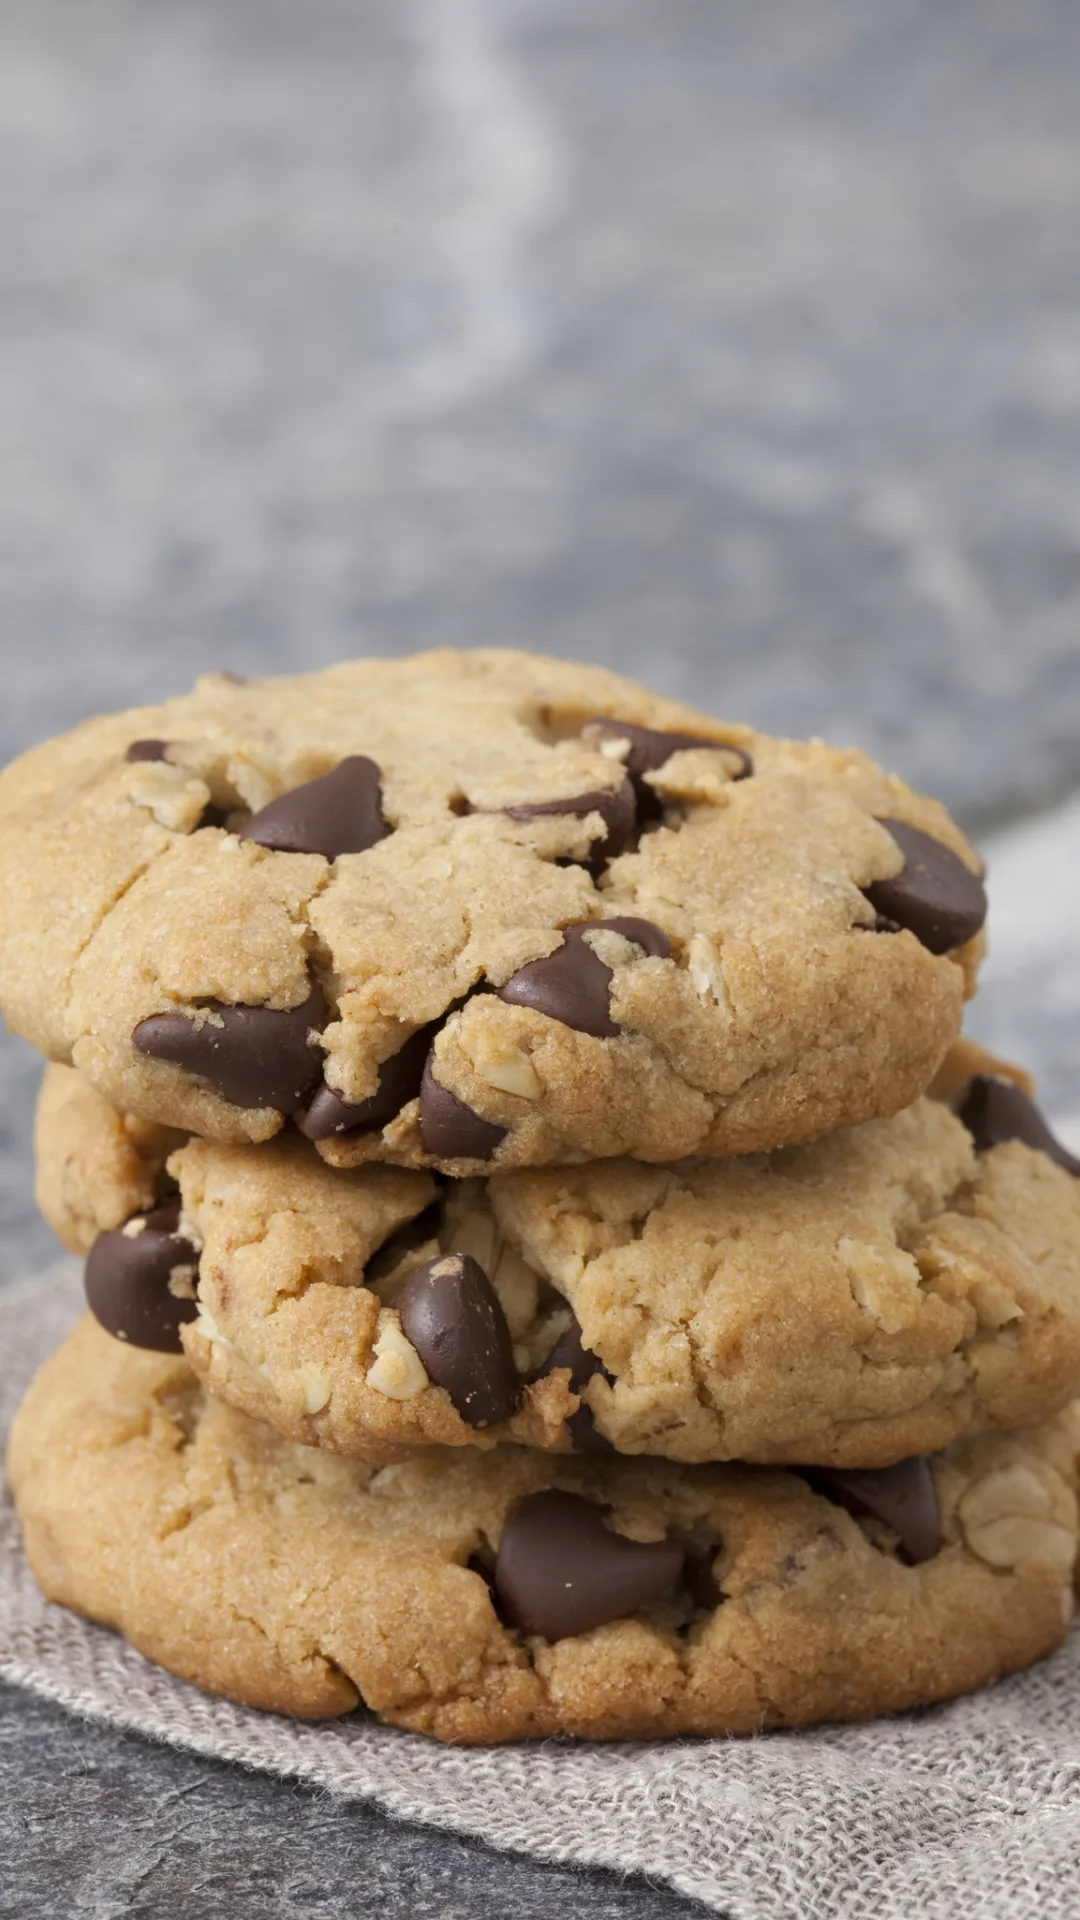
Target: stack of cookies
x,y
553,1265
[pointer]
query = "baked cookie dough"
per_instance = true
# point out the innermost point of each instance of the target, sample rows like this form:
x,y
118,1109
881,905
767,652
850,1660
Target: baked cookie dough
x,y
882,1292
479,910
509,1595
94,1167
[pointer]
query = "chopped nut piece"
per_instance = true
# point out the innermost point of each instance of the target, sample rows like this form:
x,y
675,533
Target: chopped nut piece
x,y
1012,1489
315,1387
706,971
182,1281
503,1065
993,1304
884,1281
513,1072
1011,1516
175,796
208,1327
398,1370
252,782
1013,1539
613,748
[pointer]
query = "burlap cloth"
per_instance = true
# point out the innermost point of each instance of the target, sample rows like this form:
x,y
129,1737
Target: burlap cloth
x,y
971,1809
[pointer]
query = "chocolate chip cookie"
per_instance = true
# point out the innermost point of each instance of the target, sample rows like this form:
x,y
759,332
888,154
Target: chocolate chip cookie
x,y
473,911
509,1595
882,1292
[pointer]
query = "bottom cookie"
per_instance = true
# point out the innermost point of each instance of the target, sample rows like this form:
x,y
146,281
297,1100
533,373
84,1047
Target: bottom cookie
x,y
513,1595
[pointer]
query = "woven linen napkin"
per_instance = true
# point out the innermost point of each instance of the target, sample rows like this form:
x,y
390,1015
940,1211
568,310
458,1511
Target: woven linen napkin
x,y
972,1808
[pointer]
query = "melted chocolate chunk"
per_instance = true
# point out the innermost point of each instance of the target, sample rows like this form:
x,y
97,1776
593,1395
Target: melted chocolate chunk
x,y
650,750
251,1056
451,1313
573,984
127,1281
995,1110
449,1130
339,813
583,1364
569,1351
147,750
902,1497
700,1581
934,895
561,1570
585,1434
399,1082
617,808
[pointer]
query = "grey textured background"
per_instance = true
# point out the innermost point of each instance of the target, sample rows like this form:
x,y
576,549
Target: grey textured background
x,y
738,346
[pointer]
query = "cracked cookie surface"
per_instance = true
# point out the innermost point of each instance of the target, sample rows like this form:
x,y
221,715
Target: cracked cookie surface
x,y
876,1294
290,1580
477,911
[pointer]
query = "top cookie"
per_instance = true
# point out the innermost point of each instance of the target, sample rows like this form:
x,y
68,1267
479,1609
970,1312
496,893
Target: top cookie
x,y
474,911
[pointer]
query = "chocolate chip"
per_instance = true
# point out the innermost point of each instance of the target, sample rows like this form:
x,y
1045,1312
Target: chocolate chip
x,y
127,1281
650,750
339,813
451,1313
585,1435
251,1056
573,984
995,1110
700,1581
399,1082
902,1497
617,807
935,896
569,1351
449,1130
561,1570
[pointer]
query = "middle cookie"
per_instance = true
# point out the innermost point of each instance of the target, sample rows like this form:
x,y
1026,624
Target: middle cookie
x,y
880,1293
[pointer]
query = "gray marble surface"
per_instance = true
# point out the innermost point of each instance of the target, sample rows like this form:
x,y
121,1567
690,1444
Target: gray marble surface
x,y
734,345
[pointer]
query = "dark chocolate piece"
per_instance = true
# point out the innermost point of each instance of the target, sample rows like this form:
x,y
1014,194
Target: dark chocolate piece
x,y
995,1110
617,808
452,1315
127,1280
339,813
649,750
573,984
561,1570
400,1078
147,750
903,1497
449,1130
934,895
251,1056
